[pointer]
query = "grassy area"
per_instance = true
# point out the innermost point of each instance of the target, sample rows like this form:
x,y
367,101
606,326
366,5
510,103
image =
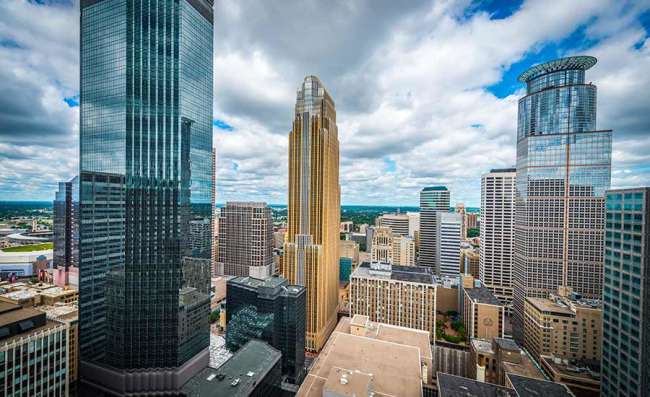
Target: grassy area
x,y
29,248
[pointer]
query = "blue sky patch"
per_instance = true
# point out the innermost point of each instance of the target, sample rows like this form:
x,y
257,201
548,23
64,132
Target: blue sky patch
x,y
389,165
498,9
9,43
72,101
222,125
575,42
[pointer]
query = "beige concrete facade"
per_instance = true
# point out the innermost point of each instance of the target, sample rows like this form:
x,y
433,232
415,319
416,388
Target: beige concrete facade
x,y
382,245
483,313
398,295
311,251
349,249
562,327
403,250
492,360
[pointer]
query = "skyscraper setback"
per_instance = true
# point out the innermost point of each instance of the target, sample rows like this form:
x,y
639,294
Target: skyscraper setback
x,y
145,175
563,171
311,254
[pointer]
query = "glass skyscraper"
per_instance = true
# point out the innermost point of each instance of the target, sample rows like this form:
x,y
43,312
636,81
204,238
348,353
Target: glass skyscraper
x,y
563,171
145,176
626,294
433,199
66,224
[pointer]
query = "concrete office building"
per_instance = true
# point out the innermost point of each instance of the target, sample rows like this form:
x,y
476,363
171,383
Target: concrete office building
x,y
577,375
311,252
626,294
271,310
433,199
563,171
516,386
414,223
497,232
403,250
33,353
564,326
68,315
246,239
448,237
483,313
398,295
346,227
65,224
398,223
145,175
364,358
382,245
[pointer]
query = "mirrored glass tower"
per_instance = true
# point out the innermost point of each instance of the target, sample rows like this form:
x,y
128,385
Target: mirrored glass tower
x,y
145,176
563,171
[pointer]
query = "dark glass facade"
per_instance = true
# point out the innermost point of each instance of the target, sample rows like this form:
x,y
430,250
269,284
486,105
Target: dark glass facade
x,y
66,224
271,310
626,294
146,175
563,171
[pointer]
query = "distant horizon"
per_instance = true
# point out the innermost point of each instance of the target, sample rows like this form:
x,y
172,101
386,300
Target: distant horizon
x,y
218,205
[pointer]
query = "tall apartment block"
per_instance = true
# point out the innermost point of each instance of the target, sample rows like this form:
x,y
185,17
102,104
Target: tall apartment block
x,y
563,171
246,240
66,224
145,176
398,295
449,227
497,232
433,199
398,223
311,251
382,245
271,310
626,294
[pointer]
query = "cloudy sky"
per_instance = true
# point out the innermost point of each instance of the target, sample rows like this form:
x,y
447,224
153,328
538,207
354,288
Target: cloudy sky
x,y
426,92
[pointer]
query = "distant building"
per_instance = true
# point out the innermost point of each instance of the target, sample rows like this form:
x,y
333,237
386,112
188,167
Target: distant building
x,y
470,221
626,294
382,244
433,199
403,250
201,235
65,224
497,231
255,370
483,313
491,360
278,238
33,353
470,261
563,326
398,295
271,310
448,237
364,358
346,227
398,223
414,223
345,269
245,239
349,249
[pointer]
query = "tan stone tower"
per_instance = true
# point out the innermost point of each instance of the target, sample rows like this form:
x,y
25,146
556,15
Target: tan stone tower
x,y
311,249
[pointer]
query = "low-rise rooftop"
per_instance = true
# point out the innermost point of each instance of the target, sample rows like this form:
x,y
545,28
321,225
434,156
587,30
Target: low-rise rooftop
x,y
385,271
483,295
238,376
457,386
530,387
